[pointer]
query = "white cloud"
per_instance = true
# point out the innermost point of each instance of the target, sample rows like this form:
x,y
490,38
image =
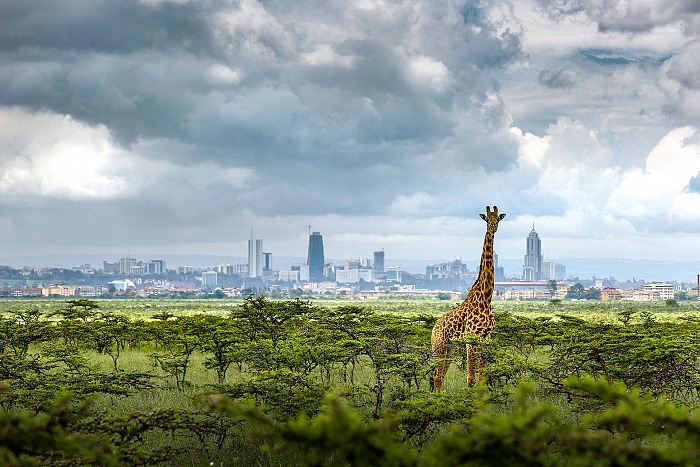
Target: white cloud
x,y
65,159
325,55
680,79
223,75
430,73
70,160
656,198
247,31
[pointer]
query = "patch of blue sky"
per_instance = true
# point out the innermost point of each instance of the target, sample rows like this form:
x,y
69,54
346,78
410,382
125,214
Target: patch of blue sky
x,y
623,57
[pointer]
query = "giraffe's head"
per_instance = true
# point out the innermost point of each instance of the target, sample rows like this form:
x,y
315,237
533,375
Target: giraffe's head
x,y
492,219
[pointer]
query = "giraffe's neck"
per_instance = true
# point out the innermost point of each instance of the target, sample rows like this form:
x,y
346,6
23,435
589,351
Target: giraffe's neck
x,y
484,283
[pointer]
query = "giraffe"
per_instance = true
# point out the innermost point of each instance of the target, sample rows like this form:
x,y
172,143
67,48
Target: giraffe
x,y
472,316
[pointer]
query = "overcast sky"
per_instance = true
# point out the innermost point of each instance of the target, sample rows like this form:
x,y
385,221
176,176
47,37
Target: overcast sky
x,y
179,126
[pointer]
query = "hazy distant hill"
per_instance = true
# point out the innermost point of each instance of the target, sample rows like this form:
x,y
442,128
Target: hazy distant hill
x,y
584,268
620,269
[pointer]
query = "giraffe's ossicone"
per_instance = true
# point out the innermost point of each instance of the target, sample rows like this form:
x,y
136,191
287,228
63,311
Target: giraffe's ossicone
x,y
472,317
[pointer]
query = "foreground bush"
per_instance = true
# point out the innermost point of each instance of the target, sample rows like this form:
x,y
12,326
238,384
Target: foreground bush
x,y
85,387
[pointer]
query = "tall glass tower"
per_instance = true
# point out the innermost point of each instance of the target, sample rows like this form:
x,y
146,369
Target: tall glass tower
x,y
532,269
316,260
255,256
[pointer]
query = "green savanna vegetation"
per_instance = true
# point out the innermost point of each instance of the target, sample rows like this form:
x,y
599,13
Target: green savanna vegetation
x,y
262,382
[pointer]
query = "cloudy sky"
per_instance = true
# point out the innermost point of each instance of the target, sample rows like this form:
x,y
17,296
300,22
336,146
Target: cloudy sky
x,y
179,126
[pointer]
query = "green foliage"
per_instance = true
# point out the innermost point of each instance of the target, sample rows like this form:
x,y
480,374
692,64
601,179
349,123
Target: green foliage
x,y
571,383
33,439
576,291
627,432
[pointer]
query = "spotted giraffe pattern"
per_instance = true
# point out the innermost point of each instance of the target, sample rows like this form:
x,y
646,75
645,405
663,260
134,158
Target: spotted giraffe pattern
x,y
472,317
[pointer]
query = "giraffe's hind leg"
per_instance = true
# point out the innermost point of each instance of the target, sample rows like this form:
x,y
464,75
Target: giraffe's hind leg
x,y
472,351
442,356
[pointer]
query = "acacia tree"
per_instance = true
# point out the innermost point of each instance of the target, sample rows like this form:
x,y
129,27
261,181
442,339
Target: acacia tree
x,y
178,342
219,340
110,333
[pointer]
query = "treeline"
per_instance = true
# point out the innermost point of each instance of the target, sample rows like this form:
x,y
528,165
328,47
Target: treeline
x,y
289,383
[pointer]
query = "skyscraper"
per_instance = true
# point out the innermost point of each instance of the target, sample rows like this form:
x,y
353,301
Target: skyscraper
x,y
255,256
316,259
532,269
378,261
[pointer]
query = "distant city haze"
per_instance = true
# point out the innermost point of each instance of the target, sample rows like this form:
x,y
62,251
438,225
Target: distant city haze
x,y
584,268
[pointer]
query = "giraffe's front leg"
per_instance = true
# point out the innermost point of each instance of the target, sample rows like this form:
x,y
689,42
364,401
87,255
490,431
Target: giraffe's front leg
x,y
482,369
482,362
471,365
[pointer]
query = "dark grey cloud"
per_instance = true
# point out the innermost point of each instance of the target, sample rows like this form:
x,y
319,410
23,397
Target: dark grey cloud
x,y
557,79
629,16
104,26
321,137
206,118
680,79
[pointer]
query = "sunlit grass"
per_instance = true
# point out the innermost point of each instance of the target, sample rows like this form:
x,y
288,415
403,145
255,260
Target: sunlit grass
x,y
148,308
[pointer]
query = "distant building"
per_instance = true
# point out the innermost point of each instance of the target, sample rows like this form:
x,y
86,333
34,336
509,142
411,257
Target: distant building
x,y
267,262
89,291
156,266
452,270
329,271
393,274
304,272
209,279
316,260
552,271
610,293
351,276
660,290
110,268
379,261
532,268
63,290
255,257
290,276
232,269
126,265
122,285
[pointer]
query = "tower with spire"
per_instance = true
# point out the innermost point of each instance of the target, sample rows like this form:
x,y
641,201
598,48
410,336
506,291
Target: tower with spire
x,y
532,267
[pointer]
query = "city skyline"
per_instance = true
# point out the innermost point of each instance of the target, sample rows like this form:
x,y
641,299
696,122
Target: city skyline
x,y
175,126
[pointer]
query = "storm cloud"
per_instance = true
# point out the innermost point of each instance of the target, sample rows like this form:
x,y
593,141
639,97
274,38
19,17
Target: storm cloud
x,y
182,124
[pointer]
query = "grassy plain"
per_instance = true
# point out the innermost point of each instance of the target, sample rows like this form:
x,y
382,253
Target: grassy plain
x,y
147,308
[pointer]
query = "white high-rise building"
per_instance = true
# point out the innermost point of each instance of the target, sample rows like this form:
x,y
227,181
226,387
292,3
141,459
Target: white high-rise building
x,y
255,257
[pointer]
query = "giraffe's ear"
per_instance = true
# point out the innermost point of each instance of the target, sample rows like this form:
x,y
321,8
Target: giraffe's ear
x,y
483,216
501,216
